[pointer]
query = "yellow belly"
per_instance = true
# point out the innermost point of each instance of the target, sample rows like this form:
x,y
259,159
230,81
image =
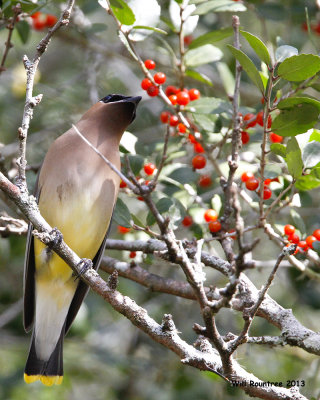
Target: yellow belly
x,y
83,224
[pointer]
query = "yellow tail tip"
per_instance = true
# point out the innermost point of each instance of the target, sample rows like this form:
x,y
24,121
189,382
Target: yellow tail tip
x,y
46,380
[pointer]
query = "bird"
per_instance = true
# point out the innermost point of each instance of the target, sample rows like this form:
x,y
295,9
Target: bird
x,y
76,192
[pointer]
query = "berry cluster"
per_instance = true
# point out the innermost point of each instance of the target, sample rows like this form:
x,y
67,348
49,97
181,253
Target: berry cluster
x,y
252,183
303,245
250,120
40,21
210,216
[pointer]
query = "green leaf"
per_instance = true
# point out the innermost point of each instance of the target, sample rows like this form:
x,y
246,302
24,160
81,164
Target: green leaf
x,y
297,101
202,55
278,149
226,77
137,220
183,175
198,76
298,221
248,66
272,171
150,28
219,6
211,37
123,150
210,105
299,68
136,163
123,12
258,46
23,29
307,182
311,154
295,120
315,135
205,121
162,206
121,214
293,158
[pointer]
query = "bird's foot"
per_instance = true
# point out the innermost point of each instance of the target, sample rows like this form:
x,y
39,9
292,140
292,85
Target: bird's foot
x,y
56,238
85,264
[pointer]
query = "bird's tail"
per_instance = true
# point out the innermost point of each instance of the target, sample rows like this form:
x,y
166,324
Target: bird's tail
x,y
49,372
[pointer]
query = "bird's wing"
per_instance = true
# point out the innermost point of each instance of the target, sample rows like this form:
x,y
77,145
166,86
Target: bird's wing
x,y
83,288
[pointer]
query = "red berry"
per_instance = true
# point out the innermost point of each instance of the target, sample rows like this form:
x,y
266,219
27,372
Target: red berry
x,y
122,184
249,117
259,118
246,176
132,254
210,215
269,122
149,168
183,98
289,230
173,99
316,234
153,91
150,64
38,25
182,128
205,180
187,40
233,236
36,15
274,138
199,162
294,238
252,183
192,139
171,90
214,226
160,78
187,221
194,94
198,148
51,20
267,193
146,83
267,181
140,198
174,120
310,239
303,245
164,117
123,229
245,137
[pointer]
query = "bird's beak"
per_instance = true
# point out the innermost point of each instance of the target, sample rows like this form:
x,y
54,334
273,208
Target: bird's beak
x,y
135,101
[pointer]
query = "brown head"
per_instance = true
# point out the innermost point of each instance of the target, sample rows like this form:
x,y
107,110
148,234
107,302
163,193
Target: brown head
x,y
112,114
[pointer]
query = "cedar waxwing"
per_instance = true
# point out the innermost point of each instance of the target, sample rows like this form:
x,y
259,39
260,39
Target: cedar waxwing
x,y
76,192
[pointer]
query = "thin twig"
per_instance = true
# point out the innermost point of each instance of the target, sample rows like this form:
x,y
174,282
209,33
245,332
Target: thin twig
x,y
32,101
112,166
11,24
277,200
154,181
